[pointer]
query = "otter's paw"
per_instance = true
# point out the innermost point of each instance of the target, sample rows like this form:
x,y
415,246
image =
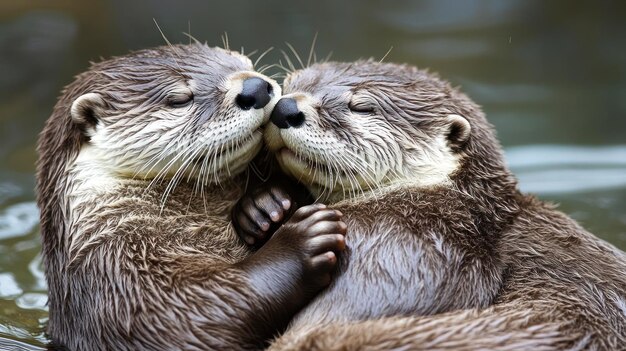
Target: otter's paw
x,y
257,216
315,234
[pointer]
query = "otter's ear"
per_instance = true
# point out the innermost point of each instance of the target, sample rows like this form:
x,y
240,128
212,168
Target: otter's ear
x,y
86,110
459,130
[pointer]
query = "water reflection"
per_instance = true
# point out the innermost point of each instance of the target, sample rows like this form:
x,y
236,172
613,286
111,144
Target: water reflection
x,y
18,219
546,73
8,286
14,345
556,169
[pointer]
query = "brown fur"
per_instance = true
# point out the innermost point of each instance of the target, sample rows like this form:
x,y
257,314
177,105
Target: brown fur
x,y
551,284
128,270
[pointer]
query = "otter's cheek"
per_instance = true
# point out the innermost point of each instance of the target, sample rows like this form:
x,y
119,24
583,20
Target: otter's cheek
x,y
254,119
300,140
246,155
293,166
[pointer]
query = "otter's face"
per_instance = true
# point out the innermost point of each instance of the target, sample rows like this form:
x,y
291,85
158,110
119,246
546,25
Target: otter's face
x,y
179,111
347,128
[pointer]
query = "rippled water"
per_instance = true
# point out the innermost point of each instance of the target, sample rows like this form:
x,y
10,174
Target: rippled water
x,y
23,298
551,76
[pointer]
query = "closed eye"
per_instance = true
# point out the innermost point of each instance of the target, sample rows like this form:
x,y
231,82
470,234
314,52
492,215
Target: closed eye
x,y
361,108
179,100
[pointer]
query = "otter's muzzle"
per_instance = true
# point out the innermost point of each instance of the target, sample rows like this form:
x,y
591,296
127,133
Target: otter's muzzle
x,y
286,114
256,93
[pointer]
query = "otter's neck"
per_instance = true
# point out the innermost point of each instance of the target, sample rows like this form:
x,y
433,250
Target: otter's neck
x,y
489,191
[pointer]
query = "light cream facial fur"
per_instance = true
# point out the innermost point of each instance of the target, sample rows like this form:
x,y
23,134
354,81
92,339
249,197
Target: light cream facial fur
x,y
383,155
193,131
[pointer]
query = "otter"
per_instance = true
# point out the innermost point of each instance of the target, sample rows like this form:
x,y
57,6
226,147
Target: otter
x,y
415,246
443,250
139,167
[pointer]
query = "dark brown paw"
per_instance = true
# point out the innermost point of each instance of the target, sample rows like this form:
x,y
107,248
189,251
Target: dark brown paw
x,y
256,216
315,234
298,260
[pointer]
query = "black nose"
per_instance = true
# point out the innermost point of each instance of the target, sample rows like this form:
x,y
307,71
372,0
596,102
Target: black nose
x,y
286,114
256,93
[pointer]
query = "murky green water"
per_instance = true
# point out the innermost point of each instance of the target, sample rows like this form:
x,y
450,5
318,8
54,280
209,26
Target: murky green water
x,y
551,76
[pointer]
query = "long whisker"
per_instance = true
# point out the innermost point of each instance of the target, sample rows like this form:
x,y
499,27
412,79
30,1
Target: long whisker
x,y
295,53
308,61
165,170
191,37
290,64
189,155
281,66
175,179
356,167
385,56
327,58
225,41
258,59
162,34
158,157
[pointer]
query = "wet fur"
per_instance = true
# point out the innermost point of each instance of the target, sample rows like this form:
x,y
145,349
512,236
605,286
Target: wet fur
x,y
563,290
472,242
127,267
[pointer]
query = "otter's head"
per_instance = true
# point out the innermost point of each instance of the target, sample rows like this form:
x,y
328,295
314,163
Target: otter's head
x,y
189,110
346,128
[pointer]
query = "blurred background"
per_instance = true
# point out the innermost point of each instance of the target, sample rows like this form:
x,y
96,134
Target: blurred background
x,y
551,76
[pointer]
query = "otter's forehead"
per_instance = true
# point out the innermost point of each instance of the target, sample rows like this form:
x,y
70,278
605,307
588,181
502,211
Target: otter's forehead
x,y
194,61
334,78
